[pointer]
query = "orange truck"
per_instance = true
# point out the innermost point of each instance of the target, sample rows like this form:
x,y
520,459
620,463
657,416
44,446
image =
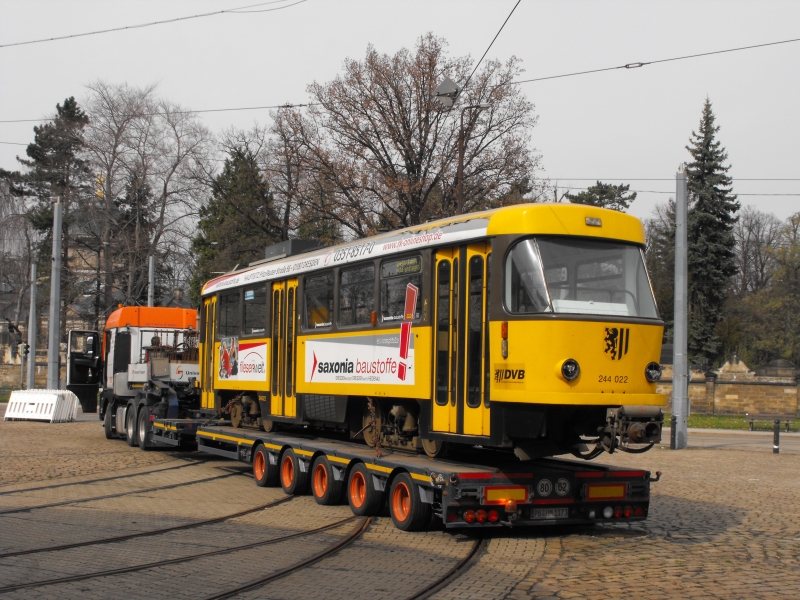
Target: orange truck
x,y
144,367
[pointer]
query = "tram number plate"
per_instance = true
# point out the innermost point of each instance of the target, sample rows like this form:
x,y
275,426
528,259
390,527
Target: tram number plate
x,y
550,513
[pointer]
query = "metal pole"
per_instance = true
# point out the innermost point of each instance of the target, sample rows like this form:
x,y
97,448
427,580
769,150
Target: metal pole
x,y
776,437
21,351
151,280
680,362
32,323
54,327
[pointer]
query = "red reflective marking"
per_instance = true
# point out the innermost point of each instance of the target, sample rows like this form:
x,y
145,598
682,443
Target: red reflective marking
x,y
590,474
555,501
627,473
475,475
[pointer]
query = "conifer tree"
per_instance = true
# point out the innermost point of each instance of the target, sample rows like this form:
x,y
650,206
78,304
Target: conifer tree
x,y
605,195
711,241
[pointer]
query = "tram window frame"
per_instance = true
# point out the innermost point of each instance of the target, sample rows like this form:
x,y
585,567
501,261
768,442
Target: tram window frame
x,y
223,333
342,287
331,289
383,281
265,311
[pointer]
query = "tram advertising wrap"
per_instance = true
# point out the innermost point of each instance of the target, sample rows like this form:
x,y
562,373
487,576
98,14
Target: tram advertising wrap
x,y
360,359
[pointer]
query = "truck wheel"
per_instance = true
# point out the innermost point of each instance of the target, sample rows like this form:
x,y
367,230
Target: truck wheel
x,y
409,512
265,473
363,498
130,425
108,424
326,490
293,481
144,428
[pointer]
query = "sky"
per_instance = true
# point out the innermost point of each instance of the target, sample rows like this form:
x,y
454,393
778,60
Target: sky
x,y
620,126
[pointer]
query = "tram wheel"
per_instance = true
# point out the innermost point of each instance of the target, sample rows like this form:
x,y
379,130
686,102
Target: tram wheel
x,y
236,414
434,448
362,496
293,481
409,512
372,433
265,473
325,488
130,425
268,426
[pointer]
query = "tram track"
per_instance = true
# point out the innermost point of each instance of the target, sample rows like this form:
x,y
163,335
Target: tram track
x,y
117,495
464,565
141,534
104,479
362,525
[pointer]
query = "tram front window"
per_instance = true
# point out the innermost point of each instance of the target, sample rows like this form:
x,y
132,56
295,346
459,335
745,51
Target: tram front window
x,y
578,276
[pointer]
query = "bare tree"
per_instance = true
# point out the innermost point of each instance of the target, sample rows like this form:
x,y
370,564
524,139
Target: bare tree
x,y
387,150
756,235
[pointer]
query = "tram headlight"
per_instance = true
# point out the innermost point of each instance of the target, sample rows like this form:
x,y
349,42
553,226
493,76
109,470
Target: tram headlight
x,y
570,369
652,372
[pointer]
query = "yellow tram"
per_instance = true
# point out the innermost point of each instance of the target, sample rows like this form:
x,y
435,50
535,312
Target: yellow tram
x,y
531,327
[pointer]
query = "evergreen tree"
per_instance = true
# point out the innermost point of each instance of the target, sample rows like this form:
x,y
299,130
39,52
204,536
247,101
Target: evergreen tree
x,y
711,241
605,195
237,223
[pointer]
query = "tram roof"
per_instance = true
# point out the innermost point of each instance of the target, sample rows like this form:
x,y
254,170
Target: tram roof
x,y
544,218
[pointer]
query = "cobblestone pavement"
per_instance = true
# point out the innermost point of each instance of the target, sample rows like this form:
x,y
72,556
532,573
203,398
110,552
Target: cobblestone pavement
x,y
724,523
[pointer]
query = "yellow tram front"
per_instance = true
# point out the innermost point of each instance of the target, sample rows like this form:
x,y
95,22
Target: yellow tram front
x,y
532,326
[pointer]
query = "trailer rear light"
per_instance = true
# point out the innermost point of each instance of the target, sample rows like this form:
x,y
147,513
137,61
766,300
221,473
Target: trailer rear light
x,y
628,512
608,512
481,516
511,506
617,512
494,516
592,514
605,491
469,516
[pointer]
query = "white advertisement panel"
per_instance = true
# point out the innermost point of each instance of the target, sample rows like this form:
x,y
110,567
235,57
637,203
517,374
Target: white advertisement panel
x,y
371,358
182,372
242,361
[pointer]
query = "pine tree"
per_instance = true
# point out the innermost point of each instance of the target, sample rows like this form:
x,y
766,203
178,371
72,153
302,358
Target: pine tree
x,y
605,195
711,241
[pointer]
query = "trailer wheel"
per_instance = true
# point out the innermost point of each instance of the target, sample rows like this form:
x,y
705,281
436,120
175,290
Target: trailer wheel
x,y
108,424
130,425
293,481
266,474
144,425
325,488
408,511
362,496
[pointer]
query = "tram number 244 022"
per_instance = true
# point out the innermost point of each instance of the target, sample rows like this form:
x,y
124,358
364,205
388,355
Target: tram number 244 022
x,y
614,378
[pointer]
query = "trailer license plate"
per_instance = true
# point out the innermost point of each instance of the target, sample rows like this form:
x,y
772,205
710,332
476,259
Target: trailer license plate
x,y
550,513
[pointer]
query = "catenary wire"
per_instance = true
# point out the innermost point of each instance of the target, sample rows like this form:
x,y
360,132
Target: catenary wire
x,y
239,10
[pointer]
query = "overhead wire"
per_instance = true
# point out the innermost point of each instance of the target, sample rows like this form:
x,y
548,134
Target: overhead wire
x,y
239,10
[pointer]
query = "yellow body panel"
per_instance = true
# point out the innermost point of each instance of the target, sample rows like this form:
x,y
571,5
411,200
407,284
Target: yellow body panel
x,y
538,347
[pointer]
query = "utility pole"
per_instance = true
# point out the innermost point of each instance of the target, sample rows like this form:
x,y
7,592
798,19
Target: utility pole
x,y
151,280
32,322
54,326
680,362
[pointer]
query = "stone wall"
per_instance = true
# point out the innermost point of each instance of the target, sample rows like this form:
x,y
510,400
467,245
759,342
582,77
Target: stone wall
x,y
735,390
10,376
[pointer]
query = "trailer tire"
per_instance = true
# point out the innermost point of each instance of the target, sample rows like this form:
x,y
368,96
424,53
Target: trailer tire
x,y
141,430
363,498
108,424
130,425
293,481
265,474
409,512
325,488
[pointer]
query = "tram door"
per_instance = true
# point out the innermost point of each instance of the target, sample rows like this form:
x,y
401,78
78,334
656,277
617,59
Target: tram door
x,y
209,337
283,402
461,398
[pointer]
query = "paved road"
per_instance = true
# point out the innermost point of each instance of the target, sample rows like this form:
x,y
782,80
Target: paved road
x,y
724,523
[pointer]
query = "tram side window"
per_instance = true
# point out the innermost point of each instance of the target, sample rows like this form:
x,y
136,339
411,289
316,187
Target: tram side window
x,y
396,275
318,299
357,295
255,310
228,311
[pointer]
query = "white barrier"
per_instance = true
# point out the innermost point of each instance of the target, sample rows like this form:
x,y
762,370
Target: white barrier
x,y
55,406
